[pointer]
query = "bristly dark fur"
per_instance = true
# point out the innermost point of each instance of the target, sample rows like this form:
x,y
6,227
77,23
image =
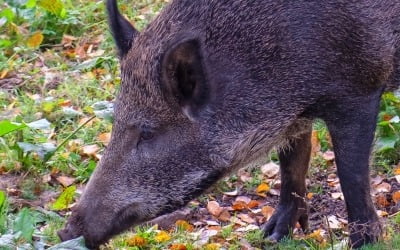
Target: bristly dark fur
x,y
212,85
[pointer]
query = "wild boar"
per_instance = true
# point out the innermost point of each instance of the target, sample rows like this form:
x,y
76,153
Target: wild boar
x,y
212,85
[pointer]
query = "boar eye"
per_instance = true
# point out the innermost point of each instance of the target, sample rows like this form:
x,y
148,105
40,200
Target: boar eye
x,y
146,135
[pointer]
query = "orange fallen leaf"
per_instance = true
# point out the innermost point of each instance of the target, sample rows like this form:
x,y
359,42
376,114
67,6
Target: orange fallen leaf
x,y
35,40
104,138
267,211
239,205
396,196
184,225
136,241
3,73
396,171
177,247
262,189
162,236
246,218
253,204
310,196
382,201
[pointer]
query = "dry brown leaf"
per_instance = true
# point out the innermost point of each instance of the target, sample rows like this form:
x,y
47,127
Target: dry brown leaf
x,y
270,170
382,201
214,208
224,216
396,196
246,218
65,180
104,138
267,211
46,178
384,187
90,150
74,145
242,198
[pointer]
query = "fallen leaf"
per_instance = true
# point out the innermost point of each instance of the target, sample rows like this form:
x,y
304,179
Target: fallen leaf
x,y
224,216
396,171
184,225
246,218
65,199
35,40
232,193
382,201
212,246
270,170
90,150
328,155
382,213
253,204
267,211
65,180
162,236
262,188
177,247
104,138
244,199
396,196
397,177
337,195
317,235
333,222
239,205
310,196
136,241
214,208
384,187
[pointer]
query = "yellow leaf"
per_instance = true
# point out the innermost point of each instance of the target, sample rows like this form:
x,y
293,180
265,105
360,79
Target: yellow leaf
x,y
262,188
212,246
316,235
136,241
397,171
54,6
35,40
162,237
184,225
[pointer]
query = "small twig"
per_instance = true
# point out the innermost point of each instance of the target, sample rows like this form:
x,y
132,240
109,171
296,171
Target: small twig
x,y
48,156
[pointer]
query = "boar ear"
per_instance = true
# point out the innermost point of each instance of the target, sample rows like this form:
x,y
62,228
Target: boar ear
x,y
121,29
185,78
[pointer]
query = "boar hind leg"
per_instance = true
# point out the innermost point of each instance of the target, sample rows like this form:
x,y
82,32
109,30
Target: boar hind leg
x,y
352,128
294,160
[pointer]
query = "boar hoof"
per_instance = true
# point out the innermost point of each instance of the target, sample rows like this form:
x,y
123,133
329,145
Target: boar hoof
x,y
365,233
283,221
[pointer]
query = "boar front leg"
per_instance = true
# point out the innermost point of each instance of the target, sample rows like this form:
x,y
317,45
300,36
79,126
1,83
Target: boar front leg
x,y
294,160
352,125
